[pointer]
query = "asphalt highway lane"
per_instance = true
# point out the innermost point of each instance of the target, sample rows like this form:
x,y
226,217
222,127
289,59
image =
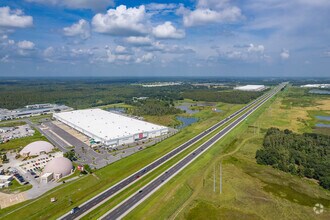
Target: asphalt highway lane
x,y
136,199
115,189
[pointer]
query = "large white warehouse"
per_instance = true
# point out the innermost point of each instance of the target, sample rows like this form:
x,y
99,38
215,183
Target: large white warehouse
x,y
251,88
109,128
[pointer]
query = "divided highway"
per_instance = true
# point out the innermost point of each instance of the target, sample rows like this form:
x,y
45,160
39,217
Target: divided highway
x,y
130,203
120,186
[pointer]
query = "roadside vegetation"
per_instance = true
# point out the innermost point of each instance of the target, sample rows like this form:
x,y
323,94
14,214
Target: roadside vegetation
x,y
305,155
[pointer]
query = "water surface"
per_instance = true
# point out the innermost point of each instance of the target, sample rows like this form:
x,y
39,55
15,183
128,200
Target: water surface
x,y
185,121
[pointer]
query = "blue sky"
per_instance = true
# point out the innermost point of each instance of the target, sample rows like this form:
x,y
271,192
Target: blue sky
x,y
165,38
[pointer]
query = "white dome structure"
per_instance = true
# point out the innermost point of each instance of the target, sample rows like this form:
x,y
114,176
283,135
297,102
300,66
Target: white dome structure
x,y
36,148
59,166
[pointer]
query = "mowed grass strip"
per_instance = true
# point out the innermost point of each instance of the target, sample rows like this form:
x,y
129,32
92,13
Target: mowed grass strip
x,y
74,193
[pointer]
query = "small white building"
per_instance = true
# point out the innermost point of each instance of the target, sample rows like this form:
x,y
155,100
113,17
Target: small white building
x,y
47,177
5,178
109,128
251,88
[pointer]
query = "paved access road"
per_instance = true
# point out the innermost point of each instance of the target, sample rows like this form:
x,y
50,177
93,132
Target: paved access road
x,y
122,209
115,189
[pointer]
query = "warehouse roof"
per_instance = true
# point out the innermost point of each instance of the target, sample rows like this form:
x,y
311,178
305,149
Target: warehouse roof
x,y
106,125
251,87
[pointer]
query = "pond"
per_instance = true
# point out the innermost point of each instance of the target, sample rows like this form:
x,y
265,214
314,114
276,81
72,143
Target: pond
x,y
323,118
186,107
319,91
117,109
323,125
185,121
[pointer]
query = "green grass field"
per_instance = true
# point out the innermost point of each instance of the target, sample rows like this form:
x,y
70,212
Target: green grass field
x,y
88,186
250,191
11,123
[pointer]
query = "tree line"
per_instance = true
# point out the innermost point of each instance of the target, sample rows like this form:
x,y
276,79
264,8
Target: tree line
x,y
233,96
305,155
154,107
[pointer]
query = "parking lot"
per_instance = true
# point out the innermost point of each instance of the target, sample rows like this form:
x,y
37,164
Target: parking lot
x,y
9,133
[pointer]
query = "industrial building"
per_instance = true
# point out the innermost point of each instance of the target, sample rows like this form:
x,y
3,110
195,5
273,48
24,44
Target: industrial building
x,y
254,88
31,110
109,128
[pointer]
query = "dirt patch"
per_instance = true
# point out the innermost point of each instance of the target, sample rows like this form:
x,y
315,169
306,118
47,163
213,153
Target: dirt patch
x,y
7,200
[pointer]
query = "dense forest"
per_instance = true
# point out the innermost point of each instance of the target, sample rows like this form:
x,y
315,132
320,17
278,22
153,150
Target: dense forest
x,y
306,155
154,107
81,94
85,93
233,96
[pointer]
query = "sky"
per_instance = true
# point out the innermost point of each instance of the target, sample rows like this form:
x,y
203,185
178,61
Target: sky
x,y
249,38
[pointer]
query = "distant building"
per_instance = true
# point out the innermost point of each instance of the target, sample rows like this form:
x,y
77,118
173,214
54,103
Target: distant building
x,y
109,128
32,110
251,88
316,86
160,84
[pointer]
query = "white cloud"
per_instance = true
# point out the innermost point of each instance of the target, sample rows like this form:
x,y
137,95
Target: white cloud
x,y
146,58
168,31
244,53
25,45
97,5
11,42
161,7
121,21
81,29
48,52
285,54
4,59
111,57
206,16
120,49
139,41
256,48
14,18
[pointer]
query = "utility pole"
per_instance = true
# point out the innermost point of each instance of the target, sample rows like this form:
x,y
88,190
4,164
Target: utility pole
x,y
220,177
214,179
